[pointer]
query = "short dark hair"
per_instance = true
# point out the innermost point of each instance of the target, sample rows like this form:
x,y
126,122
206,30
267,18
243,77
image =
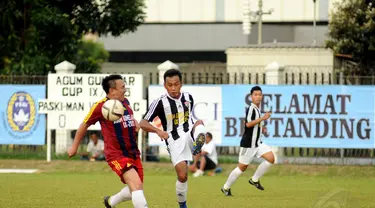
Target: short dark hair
x,y
172,73
255,88
109,82
209,134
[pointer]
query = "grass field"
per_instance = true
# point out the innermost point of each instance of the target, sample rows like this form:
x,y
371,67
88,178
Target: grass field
x,y
76,184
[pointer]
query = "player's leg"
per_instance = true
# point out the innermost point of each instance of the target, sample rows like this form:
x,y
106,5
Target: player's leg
x,y
122,196
244,159
199,136
134,181
125,193
180,152
181,183
131,173
266,153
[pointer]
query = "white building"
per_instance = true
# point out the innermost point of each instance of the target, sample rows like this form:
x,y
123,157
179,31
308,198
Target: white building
x,y
201,30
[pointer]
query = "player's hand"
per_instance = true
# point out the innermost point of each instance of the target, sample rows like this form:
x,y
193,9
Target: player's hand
x,y
266,116
163,135
71,152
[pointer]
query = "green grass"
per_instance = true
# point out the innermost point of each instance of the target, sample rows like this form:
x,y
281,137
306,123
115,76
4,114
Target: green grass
x,y
63,184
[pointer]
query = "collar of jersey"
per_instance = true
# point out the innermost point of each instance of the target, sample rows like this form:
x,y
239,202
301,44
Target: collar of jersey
x,y
254,105
175,98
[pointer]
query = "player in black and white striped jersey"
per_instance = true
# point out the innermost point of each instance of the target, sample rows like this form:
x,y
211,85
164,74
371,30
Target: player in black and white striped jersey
x,y
251,144
166,106
183,137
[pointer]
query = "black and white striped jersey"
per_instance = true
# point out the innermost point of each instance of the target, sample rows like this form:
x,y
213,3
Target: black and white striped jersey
x,y
175,114
251,136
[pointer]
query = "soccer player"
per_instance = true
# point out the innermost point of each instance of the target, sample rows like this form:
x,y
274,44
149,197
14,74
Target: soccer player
x,y
121,150
182,136
251,144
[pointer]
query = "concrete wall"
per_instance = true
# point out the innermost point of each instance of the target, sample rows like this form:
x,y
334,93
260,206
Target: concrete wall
x,y
208,37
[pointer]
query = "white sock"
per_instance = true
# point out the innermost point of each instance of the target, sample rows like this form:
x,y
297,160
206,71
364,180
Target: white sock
x,y
261,170
139,200
123,195
200,129
181,191
232,178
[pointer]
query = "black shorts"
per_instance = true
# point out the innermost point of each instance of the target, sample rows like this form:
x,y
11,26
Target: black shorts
x,y
210,165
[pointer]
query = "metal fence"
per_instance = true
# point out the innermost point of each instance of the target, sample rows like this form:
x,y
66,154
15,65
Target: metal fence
x,y
211,76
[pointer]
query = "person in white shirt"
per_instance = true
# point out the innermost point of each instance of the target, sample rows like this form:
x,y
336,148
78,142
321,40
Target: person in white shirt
x,y
207,159
95,149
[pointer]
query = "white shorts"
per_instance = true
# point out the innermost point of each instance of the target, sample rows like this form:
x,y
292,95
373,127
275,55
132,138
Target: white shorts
x,y
247,154
180,149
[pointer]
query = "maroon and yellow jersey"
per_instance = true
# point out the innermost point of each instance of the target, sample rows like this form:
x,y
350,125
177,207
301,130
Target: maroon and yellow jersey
x,y
120,138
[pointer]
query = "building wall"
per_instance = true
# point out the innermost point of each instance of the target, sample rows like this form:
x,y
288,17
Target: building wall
x,y
298,56
208,37
201,30
231,10
305,63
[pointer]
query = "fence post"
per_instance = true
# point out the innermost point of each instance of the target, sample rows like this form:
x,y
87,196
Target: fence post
x,y
275,76
162,68
63,137
341,82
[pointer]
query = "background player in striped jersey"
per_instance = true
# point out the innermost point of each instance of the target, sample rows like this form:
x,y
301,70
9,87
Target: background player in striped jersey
x,y
120,144
251,144
182,136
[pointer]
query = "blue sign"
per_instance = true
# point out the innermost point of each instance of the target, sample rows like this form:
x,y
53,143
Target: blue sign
x,y
304,116
19,120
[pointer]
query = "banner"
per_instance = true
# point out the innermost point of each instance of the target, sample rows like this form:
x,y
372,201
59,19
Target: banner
x,y
207,107
20,121
71,96
305,116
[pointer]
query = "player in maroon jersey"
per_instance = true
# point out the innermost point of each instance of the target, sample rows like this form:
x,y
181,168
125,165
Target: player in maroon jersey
x,y
120,144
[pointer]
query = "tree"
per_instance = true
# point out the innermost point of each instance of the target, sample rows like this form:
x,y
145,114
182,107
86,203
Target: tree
x,y
37,34
352,31
90,56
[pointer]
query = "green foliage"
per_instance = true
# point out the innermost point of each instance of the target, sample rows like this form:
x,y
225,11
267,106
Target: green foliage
x,y
90,56
352,31
35,35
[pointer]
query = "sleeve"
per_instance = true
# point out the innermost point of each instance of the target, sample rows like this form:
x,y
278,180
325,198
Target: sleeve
x,y
127,102
191,102
192,108
250,114
94,115
154,110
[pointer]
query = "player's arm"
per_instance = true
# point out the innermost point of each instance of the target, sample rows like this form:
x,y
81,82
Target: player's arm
x,y
153,111
146,126
81,132
250,118
92,117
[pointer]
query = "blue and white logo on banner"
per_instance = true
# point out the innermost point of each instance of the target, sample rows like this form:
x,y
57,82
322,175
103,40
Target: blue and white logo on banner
x,y
20,120
305,116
